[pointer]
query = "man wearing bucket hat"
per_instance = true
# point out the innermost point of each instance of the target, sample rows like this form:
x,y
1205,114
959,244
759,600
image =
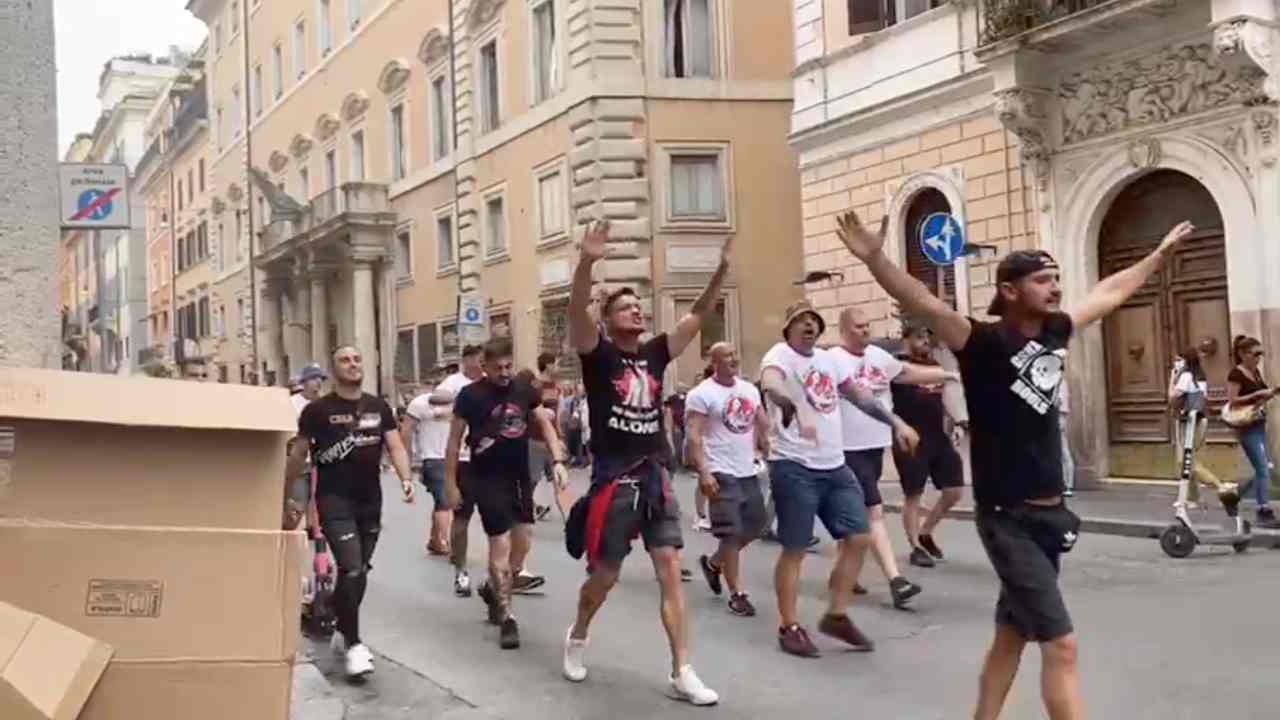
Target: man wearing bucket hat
x,y
1012,373
309,382
810,478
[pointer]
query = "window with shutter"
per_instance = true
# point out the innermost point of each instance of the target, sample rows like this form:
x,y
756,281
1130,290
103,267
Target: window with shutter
x,y
404,364
941,281
428,357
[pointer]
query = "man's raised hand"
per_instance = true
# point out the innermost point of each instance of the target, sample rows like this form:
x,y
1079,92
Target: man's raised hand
x,y
595,241
863,243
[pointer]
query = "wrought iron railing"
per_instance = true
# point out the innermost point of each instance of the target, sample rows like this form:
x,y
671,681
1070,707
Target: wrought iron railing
x,y
1005,18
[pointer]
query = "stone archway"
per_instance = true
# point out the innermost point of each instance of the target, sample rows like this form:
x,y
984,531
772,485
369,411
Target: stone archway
x,y
1078,219
899,210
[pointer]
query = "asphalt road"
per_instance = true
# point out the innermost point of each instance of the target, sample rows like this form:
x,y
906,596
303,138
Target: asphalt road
x,y
1160,638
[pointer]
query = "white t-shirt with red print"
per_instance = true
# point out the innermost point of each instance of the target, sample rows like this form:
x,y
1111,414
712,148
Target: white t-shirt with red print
x,y
729,438
812,380
875,369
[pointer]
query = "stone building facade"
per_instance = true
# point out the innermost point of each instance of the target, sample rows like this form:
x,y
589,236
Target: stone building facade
x,y
408,169
1085,128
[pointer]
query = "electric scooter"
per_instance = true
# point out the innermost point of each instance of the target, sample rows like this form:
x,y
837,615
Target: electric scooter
x,y
1181,537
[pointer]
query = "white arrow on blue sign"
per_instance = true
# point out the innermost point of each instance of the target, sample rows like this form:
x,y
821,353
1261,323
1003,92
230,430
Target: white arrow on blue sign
x,y
941,238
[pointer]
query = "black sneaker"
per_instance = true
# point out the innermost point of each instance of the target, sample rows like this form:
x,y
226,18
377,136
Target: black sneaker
x,y
858,589
527,582
794,640
902,591
686,575
541,512
509,638
921,558
740,605
1267,518
711,573
931,547
490,599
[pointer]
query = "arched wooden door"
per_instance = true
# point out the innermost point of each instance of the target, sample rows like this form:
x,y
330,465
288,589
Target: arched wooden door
x,y
1184,304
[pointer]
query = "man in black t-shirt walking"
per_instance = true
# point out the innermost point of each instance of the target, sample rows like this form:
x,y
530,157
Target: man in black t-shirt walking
x,y
1012,371
346,432
631,489
496,415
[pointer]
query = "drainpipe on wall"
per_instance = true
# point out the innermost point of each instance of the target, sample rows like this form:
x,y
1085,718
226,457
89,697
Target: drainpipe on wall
x,y
259,373
454,223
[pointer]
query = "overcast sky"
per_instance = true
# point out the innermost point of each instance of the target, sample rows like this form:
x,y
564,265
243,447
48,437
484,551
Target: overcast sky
x,y
90,32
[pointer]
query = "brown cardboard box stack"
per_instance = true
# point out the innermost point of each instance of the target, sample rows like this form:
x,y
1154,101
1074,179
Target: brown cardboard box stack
x,y
146,515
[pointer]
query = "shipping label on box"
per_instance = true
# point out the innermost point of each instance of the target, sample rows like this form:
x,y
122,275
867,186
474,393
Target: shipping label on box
x,y
124,598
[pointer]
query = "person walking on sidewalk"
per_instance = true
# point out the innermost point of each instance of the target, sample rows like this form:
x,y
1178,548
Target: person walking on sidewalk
x,y
1247,388
468,372
921,406
347,431
727,423
1012,370
867,439
631,490
1188,392
809,476
301,487
496,415
428,427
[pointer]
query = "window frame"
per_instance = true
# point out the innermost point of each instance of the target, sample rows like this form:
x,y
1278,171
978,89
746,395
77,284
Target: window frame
x,y
399,101
718,63
489,118
298,47
555,79
324,28
442,323
331,171
449,213
363,165
277,71
259,97
405,228
496,193
557,166
669,222
441,112
355,14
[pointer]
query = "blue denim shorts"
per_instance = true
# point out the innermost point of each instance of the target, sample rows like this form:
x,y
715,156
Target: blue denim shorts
x,y
801,494
433,480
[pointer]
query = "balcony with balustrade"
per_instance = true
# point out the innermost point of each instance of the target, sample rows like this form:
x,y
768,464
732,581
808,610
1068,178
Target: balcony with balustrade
x,y
355,217
1062,26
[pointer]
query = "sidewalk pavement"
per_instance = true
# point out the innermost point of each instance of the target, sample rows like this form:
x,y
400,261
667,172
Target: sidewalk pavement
x,y
1127,509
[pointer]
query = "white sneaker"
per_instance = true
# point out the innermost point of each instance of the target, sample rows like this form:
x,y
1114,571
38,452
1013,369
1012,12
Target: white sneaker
x,y
337,644
462,584
575,653
702,524
687,686
359,661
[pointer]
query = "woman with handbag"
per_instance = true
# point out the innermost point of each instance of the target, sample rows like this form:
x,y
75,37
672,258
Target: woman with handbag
x,y
1247,397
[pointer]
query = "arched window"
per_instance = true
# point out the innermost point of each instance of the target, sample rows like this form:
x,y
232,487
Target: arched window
x,y
940,280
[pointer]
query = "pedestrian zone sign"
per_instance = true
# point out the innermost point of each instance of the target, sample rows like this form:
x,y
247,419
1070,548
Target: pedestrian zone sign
x,y
471,310
94,196
941,239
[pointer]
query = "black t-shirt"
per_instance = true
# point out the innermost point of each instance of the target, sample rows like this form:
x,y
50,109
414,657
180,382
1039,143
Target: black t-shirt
x,y
346,439
920,406
1011,386
1247,385
497,425
624,396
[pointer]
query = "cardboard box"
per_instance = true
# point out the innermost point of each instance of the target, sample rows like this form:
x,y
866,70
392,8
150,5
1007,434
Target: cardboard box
x,y
192,691
83,447
47,670
160,593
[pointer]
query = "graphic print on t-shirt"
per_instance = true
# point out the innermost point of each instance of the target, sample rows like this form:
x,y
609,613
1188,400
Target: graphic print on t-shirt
x,y
1039,375
820,390
739,414
509,419
635,392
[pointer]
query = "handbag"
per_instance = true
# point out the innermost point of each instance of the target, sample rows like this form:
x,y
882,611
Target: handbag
x,y
1243,416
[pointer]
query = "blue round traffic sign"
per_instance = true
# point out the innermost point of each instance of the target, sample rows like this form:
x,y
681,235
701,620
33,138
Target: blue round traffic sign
x,y
471,315
88,198
941,239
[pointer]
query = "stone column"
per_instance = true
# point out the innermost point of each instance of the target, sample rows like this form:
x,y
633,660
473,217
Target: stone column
x,y
366,329
288,338
29,325
269,326
319,316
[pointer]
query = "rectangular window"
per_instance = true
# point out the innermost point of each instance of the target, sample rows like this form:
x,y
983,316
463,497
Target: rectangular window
x,y
404,254
449,341
235,17
495,226
326,27
300,48
546,60
489,88
399,165
304,184
688,45
357,156
218,127
696,187
427,354
330,169
444,243
353,13
551,207
440,108
404,365
257,91
239,237
500,324
202,242
201,165
191,186
180,195
217,37
277,72
206,327
237,110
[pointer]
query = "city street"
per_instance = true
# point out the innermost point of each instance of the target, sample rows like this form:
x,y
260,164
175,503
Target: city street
x,y
1160,638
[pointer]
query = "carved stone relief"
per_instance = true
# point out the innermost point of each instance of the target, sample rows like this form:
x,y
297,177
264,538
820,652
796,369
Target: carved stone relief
x,y
483,12
327,126
1022,112
1231,138
1264,123
1145,153
301,145
234,193
393,76
434,47
1248,43
354,105
1153,88
278,161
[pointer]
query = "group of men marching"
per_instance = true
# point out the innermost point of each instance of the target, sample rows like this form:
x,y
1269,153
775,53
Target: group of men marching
x,y
823,419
